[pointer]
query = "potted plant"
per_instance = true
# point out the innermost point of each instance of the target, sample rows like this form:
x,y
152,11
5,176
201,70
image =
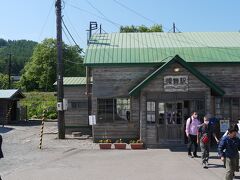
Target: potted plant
x,y
119,144
105,144
136,144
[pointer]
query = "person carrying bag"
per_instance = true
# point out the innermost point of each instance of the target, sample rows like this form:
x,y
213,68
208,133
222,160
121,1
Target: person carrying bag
x,y
203,138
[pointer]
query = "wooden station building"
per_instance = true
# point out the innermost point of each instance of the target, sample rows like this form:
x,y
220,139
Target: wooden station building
x,y
145,85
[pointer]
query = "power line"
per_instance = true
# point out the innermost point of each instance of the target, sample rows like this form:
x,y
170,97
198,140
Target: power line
x,y
74,62
71,36
139,14
67,37
46,20
118,25
106,19
74,29
94,7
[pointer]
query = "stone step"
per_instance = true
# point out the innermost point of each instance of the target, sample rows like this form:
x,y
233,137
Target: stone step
x,y
84,137
76,134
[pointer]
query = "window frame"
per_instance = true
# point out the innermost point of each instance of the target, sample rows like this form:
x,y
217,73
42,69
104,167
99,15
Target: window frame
x,y
114,110
151,112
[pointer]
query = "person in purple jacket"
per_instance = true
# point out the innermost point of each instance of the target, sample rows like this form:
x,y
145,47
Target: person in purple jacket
x,y
191,133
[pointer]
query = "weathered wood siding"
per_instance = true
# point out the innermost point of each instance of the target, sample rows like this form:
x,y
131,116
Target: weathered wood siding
x,y
115,131
116,81
152,134
112,83
3,111
76,117
4,108
224,75
194,84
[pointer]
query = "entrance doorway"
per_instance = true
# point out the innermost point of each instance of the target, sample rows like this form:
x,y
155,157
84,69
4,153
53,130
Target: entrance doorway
x,y
170,122
171,118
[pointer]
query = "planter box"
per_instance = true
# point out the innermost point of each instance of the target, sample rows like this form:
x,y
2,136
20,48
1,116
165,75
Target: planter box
x,y
120,145
136,146
105,145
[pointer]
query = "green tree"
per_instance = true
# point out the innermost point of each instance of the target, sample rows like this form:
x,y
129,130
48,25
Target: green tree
x,y
40,72
21,51
3,81
142,28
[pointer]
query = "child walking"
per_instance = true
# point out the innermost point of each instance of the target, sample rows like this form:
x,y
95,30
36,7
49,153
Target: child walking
x,y
205,132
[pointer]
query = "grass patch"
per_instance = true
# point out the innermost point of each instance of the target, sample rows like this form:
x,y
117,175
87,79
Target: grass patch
x,y
37,102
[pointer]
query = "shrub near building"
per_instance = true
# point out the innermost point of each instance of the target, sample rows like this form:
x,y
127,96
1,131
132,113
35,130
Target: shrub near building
x,y
37,102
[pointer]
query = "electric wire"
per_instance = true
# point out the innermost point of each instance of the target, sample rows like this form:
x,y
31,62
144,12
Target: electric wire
x,y
71,45
72,36
46,20
94,7
74,29
138,14
88,12
118,25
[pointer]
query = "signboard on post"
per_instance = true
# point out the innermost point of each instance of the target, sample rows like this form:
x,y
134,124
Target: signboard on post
x,y
92,119
224,125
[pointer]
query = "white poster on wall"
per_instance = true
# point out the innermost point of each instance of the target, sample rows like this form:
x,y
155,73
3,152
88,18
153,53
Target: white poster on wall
x,y
92,119
224,125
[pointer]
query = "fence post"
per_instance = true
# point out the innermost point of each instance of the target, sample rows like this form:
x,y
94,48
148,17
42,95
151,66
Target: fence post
x,y
41,133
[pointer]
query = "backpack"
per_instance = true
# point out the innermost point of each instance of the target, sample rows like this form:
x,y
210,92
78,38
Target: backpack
x,y
190,120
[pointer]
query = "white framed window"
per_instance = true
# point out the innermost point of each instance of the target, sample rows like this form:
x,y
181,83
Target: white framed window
x,y
151,111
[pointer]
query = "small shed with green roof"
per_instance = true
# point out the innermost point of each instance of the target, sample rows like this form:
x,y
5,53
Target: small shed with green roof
x,y
76,116
145,85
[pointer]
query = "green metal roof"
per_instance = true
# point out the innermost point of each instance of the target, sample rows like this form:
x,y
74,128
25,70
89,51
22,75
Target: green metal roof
x,y
217,90
10,93
73,81
138,48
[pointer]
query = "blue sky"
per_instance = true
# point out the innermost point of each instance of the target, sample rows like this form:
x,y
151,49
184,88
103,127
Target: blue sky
x,y
35,19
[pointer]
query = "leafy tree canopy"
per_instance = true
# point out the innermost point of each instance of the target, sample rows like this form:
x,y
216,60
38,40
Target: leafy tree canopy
x,y
40,72
3,81
142,28
21,51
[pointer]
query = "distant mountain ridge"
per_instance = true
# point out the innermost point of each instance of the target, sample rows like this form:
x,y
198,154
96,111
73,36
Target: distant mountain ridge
x,y
21,51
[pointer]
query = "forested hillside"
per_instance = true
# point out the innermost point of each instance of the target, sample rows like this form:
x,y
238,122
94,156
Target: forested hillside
x,y
21,51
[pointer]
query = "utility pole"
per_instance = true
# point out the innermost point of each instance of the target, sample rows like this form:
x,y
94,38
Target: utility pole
x,y
100,28
9,70
60,93
174,28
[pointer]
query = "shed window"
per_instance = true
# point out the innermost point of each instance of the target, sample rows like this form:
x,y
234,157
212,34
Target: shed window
x,y
110,110
79,105
151,112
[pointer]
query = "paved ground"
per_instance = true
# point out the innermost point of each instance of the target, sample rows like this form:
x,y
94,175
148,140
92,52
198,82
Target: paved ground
x,y
73,159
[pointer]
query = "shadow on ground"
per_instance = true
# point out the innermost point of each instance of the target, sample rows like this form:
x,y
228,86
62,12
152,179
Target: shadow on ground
x,y
183,148
26,123
5,129
210,165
